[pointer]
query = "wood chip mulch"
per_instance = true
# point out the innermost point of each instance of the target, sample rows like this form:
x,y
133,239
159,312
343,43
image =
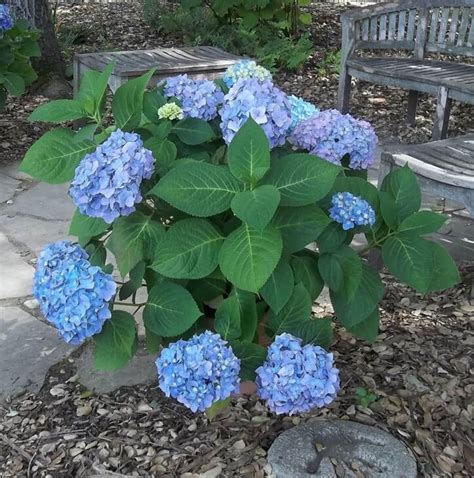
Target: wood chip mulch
x,y
420,369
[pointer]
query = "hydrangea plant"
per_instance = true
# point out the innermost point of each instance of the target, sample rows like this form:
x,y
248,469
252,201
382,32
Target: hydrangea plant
x,y
232,223
18,44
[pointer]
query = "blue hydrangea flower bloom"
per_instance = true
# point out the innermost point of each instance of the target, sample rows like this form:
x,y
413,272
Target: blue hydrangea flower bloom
x,y
261,100
300,110
6,20
331,135
199,371
245,69
73,295
199,98
351,211
296,378
107,182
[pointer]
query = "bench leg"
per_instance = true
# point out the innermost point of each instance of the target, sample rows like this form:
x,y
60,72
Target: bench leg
x,y
344,92
412,104
443,109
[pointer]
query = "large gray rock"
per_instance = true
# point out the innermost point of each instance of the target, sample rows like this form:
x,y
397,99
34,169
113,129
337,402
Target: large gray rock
x,y
140,370
28,348
316,449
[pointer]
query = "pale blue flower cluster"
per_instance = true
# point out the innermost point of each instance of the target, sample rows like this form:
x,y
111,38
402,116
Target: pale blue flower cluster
x,y
199,98
297,378
245,69
199,371
73,294
332,135
107,182
261,100
6,20
300,110
351,211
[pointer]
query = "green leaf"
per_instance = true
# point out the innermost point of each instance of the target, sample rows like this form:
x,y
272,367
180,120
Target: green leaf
x,y
445,273
410,259
97,254
315,331
248,313
249,153
251,357
13,82
152,102
86,132
422,222
207,289
295,312
193,131
341,270
152,341
58,111
217,407
278,289
256,207
170,310
189,250
300,226
55,156
389,210
93,88
127,103
332,238
164,152
249,256
402,185
351,311
199,189
85,226
116,344
134,238
227,319
305,270
302,179
368,329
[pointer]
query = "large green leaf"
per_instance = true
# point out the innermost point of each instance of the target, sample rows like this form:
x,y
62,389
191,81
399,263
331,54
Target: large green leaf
x,y
85,226
302,179
332,237
164,152
300,226
189,250
295,312
445,274
248,313
351,311
422,222
199,189
315,331
152,102
207,289
305,268
55,156
227,319
251,357
170,310
134,238
249,256
249,153
58,111
116,344
13,82
368,329
278,289
127,103
341,270
402,186
193,131
256,207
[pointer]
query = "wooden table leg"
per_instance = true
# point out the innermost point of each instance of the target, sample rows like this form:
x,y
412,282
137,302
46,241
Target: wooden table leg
x,y
443,109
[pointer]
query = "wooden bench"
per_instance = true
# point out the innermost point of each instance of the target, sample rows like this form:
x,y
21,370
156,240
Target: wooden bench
x,y
204,61
420,26
444,168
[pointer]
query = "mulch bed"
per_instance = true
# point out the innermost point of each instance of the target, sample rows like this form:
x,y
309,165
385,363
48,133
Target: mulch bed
x,y
419,368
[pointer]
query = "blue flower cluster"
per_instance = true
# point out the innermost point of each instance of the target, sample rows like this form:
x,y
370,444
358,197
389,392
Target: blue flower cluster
x,y
296,378
261,100
6,20
245,69
199,98
331,135
73,294
300,110
199,371
107,182
351,211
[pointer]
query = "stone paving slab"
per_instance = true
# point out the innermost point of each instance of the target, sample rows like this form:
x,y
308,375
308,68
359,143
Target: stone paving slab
x,y
28,348
8,187
16,276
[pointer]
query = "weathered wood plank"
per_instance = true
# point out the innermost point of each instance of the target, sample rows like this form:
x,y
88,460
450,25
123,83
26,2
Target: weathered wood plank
x,y
402,18
453,30
465,21
443,26
411,27
392,25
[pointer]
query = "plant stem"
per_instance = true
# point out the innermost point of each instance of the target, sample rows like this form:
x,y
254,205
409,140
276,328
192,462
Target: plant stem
x,y
127,304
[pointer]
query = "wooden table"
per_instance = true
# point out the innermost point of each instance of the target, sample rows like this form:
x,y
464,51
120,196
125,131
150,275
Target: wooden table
x,y
197,62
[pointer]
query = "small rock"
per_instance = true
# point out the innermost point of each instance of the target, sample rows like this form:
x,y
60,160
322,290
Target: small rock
x,y
239,445
10,202
31,304
84,411
213,473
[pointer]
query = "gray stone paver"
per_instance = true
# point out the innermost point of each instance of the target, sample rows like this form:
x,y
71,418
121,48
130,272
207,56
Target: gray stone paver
x,y
28,348
8,187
